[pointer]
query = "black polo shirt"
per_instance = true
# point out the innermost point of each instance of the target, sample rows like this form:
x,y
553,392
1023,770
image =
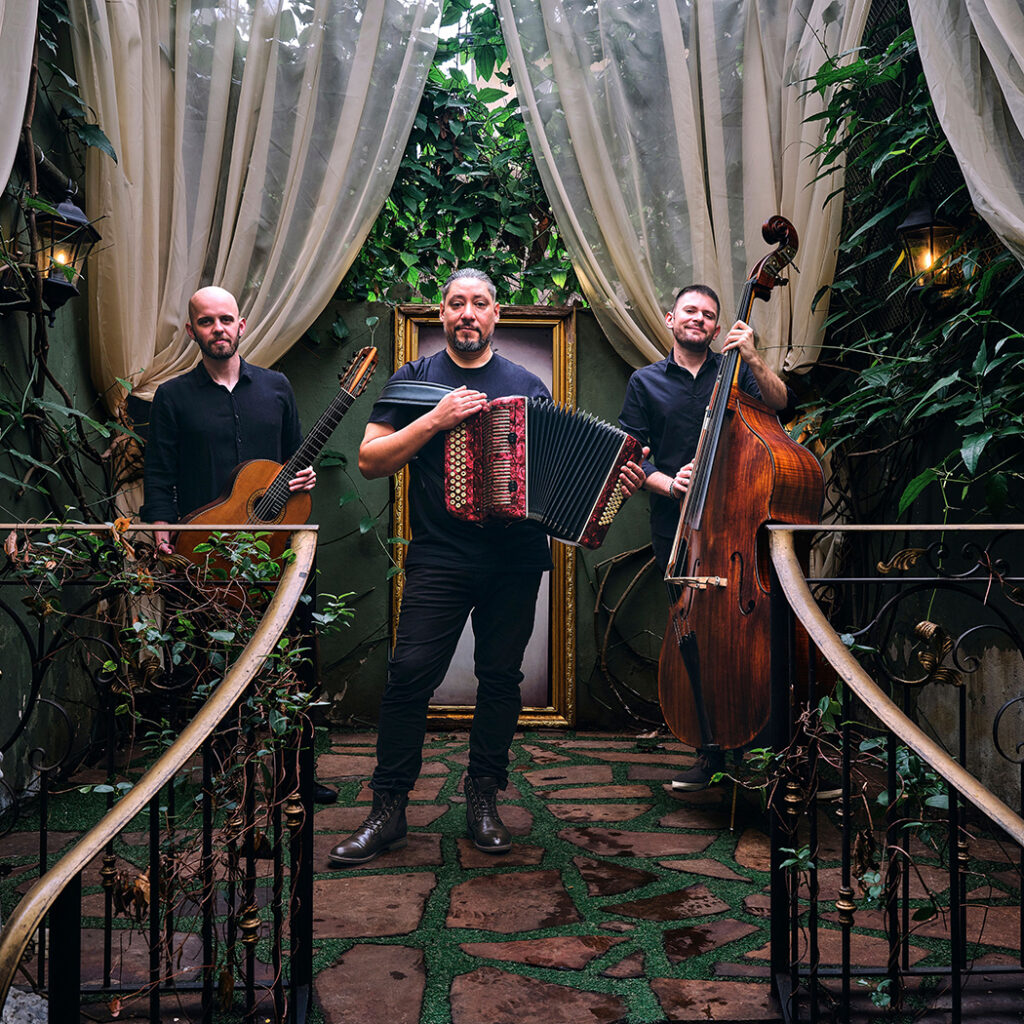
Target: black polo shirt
x,y
199,431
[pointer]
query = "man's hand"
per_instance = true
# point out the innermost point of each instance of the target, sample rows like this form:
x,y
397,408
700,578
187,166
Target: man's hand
x,y
456,406
741,336
681,481
632,476
304,480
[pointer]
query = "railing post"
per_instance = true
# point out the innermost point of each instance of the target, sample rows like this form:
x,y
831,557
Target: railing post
x,y
784,978
300,980
65,991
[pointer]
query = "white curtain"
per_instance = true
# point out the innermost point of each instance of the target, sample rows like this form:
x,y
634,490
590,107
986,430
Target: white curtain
x,y
256,141
17,37
667,132
973,57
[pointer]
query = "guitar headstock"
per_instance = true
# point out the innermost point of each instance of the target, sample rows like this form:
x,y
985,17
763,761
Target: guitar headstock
x,y
359,371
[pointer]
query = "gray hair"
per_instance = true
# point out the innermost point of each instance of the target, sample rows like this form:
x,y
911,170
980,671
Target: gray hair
x,y
473,275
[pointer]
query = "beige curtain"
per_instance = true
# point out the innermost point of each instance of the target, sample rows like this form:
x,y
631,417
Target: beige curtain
x,y
256,143
17,37
973,55
666,134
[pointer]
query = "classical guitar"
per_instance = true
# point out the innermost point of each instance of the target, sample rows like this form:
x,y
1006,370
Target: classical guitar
x,y
257,491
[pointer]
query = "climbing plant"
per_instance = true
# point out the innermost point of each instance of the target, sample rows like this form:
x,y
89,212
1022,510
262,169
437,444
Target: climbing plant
x,y
921,409
467,191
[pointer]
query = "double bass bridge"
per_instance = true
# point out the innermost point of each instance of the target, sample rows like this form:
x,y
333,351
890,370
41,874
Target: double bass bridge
x,y
698,582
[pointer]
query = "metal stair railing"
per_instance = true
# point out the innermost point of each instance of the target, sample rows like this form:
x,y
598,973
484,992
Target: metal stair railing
x,y
63,880
799,980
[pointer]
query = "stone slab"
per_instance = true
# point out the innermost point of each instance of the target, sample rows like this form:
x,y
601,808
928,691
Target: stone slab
x,y
497,997
705,866
586,813
562,952
515,902
693,901
372,983
605,878
683,1000
609,842
571,774
683,943
612,792
368,906
521,855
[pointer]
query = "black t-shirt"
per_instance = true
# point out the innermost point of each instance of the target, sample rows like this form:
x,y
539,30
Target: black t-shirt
x,y
439,539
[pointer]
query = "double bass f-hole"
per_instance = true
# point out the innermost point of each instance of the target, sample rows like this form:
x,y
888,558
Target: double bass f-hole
x,y
713,673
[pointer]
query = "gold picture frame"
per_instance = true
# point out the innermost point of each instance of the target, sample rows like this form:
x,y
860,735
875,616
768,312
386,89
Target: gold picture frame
x,y
521,329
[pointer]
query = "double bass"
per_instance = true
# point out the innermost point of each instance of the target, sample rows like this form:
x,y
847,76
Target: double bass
x,y
713,671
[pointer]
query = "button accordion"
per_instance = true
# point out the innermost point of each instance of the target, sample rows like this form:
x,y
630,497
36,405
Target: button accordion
x,y
529,458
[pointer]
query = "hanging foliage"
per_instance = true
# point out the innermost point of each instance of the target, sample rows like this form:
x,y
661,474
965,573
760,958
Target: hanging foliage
x,y
467,192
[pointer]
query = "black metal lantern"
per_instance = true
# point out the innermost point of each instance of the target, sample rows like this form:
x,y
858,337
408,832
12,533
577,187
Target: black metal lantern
x,y
927,243
65,240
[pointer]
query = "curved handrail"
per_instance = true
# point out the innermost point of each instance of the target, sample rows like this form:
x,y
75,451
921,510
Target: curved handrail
x,y
801,600
35,904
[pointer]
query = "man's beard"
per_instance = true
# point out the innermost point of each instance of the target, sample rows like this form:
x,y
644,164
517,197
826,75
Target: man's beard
x,y
467,346
694,346
222,354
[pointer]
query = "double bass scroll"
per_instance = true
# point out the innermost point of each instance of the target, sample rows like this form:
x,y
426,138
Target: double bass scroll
x,y
714,667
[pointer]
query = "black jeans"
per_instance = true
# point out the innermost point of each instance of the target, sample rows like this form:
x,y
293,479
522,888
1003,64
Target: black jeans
x,y
435,605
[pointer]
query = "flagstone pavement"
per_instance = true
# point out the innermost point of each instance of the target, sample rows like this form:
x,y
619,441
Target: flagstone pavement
x,y
620,901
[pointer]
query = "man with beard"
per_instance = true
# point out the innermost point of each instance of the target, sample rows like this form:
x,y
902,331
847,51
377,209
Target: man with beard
x,y
664,409
454,570
207,421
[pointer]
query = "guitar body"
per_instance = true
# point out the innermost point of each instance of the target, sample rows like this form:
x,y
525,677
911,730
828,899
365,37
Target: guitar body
x,y
247,484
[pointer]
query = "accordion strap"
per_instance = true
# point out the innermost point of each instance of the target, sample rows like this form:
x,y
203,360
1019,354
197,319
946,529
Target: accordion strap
x,y
413,392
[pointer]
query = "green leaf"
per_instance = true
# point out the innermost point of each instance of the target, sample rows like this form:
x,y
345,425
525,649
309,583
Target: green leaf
x,y
92,135
367,524
221,635
914,488
972,449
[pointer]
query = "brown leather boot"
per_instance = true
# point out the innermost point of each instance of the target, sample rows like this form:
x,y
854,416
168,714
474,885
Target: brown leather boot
x,y
384,829
483,825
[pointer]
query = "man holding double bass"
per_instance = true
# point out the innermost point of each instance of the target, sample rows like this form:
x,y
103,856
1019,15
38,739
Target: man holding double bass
x,y
664,410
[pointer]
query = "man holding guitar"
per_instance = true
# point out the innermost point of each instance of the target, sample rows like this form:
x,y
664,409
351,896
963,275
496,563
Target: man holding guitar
x,y
208,421
664,408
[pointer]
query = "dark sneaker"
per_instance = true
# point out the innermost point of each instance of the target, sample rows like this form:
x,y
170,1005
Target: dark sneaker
x,y
698,777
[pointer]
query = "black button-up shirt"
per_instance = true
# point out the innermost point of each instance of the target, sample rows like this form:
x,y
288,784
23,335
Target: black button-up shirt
x,y
664,408
199,431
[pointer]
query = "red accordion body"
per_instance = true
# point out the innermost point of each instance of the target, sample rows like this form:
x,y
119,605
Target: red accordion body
x,y
528,458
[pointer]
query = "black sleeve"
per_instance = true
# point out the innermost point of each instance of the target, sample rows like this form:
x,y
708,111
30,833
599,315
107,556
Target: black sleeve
x,y
160,472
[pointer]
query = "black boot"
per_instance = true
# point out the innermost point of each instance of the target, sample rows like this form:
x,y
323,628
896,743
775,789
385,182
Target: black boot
x,y
384,829
483,825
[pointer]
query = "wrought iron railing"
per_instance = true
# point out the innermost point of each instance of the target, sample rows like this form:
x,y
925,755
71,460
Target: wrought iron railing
x,y
202,940
896,874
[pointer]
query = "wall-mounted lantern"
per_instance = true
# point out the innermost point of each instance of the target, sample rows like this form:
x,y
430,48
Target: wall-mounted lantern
x,y
927,243
65,240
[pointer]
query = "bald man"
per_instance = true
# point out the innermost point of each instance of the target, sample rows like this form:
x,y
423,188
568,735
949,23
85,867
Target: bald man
x,y
207,421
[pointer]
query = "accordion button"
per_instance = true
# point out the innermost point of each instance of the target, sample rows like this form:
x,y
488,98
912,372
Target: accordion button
x,y
513,486
512,438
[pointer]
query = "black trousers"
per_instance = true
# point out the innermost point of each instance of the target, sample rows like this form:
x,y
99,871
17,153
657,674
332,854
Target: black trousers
x,y
435,606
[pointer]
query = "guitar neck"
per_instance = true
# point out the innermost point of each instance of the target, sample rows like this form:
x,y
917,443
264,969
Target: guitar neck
x,y
311,447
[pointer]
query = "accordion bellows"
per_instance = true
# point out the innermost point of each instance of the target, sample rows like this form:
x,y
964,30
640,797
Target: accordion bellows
x,y
528,458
